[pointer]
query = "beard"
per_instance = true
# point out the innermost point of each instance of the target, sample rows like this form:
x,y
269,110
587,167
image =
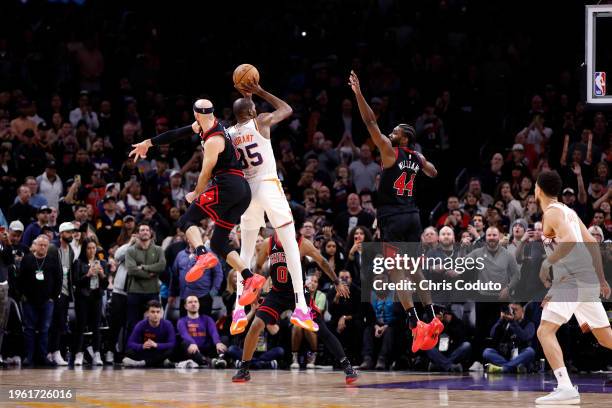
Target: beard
x,y
67,240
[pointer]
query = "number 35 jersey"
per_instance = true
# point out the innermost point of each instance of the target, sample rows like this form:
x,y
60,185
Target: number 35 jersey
x,y
395,190
255,152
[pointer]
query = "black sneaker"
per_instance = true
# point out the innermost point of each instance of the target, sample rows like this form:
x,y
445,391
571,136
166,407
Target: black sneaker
x,y
351,374
242,375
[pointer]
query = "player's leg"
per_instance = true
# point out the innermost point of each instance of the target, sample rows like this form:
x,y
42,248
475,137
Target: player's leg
x,y
335,348
279,213
553,316
603,336
593,315
189,223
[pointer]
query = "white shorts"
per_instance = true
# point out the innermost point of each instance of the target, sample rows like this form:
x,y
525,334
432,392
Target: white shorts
x,y
267,197
591,314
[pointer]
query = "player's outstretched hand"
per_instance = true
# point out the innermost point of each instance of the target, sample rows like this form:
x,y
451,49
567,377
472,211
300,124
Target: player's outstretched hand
x,y
140,149
190,196
605,289
354,82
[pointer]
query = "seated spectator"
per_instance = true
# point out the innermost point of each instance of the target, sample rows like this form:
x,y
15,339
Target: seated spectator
x,y
152,341
90,277
199,338
452,203
37,200
381,329
346,315
493,175
475,187
298,334
203,289
40,283
35,228
364,171
471,206
512,336
452,349
514,209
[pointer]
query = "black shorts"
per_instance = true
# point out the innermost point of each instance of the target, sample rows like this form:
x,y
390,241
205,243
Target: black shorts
x,y
224,201
402,227
277,301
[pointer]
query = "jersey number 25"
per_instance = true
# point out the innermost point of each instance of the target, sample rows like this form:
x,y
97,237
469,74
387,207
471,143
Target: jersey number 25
x,y
401,186
255,157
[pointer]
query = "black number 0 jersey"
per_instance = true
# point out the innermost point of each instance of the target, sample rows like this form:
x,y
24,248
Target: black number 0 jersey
x,y
228,160
281,279
395,190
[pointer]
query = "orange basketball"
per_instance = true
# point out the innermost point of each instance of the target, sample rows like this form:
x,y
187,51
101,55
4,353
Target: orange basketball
x,y
245,73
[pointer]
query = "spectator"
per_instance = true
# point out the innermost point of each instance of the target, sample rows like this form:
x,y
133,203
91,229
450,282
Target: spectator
x,y
40,283
334,256
529,255
452,203
199,338
22,210
15,233
343,186
532,212
66,256
512,336
135,201
429,239
36,199
493,175
470,205
453,349
35,228
85,113
475,188
91,280
158,224
203,289
298,334
176,188
22,122
357,236
365,170
518,230
353,216
152,341
51,187
127,230
31,158
476,231
514,209
346,315
144,262
109,223
7,263
381,329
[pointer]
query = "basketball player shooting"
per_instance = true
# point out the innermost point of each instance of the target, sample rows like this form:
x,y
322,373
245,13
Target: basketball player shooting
x,y
251,137
574,256
397,213
224,200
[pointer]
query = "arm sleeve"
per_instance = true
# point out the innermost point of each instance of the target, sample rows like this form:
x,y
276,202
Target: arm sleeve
x,y
524,334
172,136
158,266
183,332
135,338
132,267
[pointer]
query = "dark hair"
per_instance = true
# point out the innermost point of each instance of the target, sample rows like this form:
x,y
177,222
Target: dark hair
x,y
408,131
83,254
351,236
153,303
550,183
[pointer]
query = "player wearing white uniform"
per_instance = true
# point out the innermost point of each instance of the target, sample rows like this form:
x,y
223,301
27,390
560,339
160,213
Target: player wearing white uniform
x,y
577,282
251,138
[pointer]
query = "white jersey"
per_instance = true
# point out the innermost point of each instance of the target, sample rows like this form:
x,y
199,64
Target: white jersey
x,y
255,151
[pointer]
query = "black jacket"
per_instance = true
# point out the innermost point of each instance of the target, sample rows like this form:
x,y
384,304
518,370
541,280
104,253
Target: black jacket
x,y
39,291
82,281
55,249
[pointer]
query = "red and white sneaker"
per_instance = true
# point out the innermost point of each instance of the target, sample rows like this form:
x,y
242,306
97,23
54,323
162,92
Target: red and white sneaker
x,y
252,287
203,262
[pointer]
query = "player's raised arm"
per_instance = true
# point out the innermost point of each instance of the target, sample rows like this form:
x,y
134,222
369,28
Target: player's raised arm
x,y
170,136
282,110
428,168
308,249
369,118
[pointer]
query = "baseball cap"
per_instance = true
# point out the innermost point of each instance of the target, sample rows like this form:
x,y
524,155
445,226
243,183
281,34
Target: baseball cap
x,y
568,190
108,198
129,217
51,164
16,226
44,208
66,226
518,146
175,173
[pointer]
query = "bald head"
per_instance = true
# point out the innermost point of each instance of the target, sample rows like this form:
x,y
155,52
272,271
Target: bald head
x,y
205,120
244,109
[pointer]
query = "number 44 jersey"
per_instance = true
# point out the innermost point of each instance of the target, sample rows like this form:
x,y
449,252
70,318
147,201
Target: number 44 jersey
x,y
255,151
395,190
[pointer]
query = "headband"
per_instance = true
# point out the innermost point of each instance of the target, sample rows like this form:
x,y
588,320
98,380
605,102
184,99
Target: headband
x,y
203,110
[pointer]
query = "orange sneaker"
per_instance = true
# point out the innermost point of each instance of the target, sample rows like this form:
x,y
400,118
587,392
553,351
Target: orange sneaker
x,y
252,287
434,328
239,322
418,336
203,262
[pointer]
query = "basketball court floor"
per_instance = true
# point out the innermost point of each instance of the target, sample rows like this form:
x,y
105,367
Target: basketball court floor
x,y
121,388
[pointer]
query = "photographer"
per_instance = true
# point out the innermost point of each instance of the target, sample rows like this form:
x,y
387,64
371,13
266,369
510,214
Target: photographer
x,y
453,348
512,335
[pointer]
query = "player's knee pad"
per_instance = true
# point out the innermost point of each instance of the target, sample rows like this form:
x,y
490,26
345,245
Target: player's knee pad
x,y
219,242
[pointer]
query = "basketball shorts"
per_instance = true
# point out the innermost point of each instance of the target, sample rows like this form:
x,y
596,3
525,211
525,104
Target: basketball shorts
x,y
402,227
590,315
224,201
279,300
267,197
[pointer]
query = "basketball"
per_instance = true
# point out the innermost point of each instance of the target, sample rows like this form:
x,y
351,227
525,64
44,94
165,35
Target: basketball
x,y
245,73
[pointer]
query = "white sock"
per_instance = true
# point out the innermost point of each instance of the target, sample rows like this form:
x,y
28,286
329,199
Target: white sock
x,y
248,241
563,380
286,235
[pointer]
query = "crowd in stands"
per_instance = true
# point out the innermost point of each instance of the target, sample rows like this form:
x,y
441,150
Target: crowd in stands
x,y
92,263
